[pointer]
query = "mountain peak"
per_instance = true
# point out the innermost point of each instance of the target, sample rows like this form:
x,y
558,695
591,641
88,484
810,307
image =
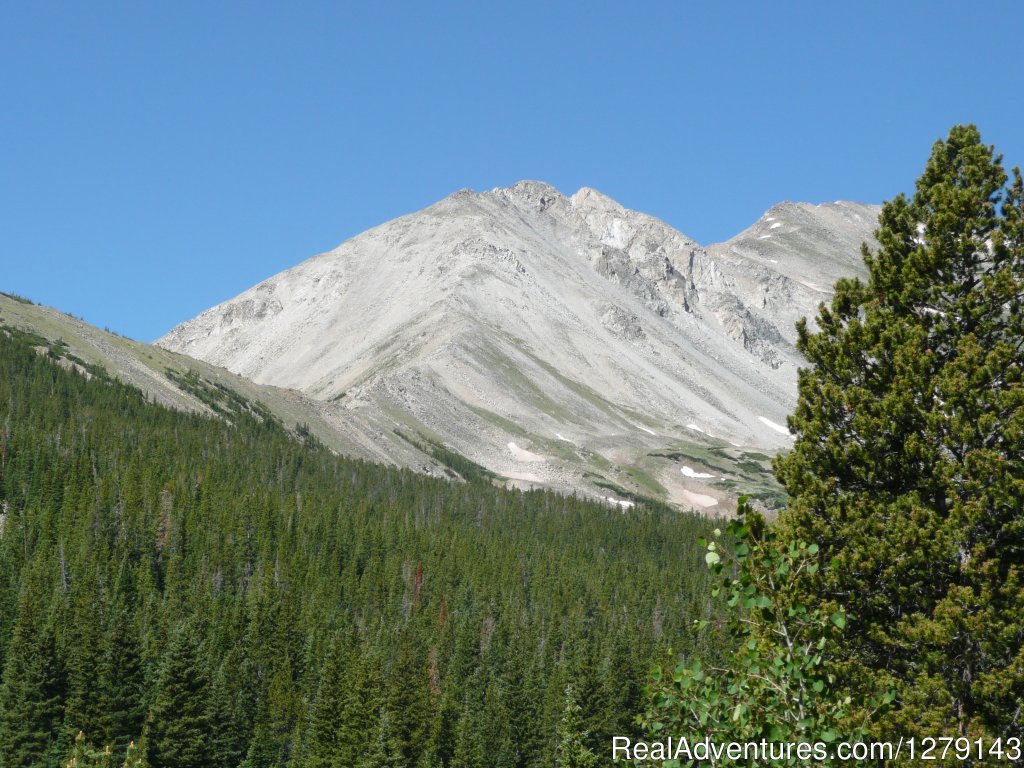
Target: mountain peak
x,y
547,338
535,195
531,188
590,198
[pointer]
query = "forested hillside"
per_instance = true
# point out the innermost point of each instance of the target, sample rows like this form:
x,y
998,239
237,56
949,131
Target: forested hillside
x,y
226,595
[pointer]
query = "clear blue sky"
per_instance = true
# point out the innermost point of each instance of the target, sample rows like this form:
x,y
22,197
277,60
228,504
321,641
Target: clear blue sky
x,y
157,158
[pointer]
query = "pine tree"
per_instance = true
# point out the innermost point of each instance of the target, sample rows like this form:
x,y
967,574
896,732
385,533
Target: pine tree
x,y
178,725
265,747
324,739
121,682
908,465
83,650
362,707
571,750
386,748
469,750
32,691
520,689
621,691
409,703
230,736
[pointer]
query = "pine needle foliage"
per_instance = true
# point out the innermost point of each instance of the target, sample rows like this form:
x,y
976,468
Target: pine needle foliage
x,y
908,465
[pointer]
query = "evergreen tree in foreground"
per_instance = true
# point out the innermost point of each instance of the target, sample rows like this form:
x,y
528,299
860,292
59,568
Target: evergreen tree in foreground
x,y
908,465
894,581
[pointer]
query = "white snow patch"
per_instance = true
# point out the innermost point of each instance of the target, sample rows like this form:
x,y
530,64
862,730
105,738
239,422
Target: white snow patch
x,y
619,502
558,435
648,431
764,237
695,428
691,472
774,261
521,454
769,218
772,425
699,499
776,225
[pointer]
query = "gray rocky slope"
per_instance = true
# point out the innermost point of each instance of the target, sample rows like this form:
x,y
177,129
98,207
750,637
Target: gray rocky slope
x,y
556,340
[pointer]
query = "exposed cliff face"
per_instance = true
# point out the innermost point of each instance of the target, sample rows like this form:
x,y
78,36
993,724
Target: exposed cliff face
x,y
783,267
523,322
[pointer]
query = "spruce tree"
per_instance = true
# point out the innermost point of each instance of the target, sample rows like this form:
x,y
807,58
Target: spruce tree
x,y
386,749
265,748
571,750
327,717
908,466
470,750
229,738
409,702
32,690
178,725
121,682
83,651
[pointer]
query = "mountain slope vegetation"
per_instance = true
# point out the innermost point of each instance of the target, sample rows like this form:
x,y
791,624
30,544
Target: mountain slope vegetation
x,y
224,593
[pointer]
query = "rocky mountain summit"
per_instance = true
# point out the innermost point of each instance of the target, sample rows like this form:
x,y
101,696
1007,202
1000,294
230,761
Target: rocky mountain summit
x,y
554,340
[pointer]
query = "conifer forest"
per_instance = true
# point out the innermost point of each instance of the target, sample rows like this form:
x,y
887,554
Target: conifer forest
x,y
224,594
